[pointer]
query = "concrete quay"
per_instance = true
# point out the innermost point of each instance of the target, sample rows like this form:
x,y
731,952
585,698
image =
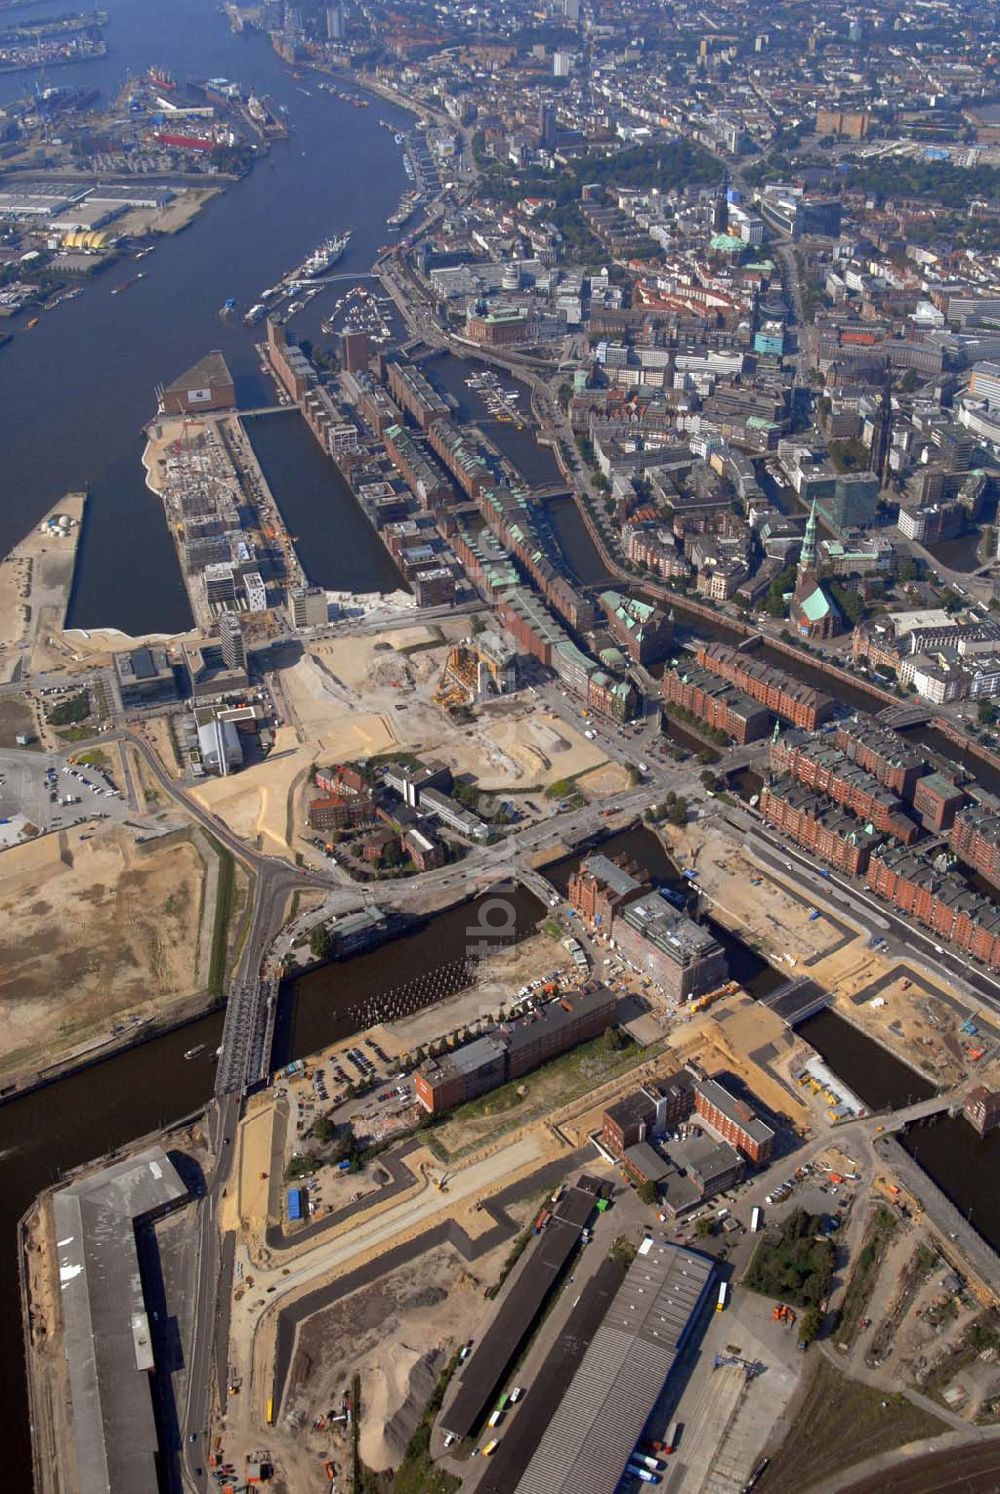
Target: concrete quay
x,y
36,582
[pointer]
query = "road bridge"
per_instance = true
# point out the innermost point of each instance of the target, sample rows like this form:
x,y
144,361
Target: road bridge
x,y
903,715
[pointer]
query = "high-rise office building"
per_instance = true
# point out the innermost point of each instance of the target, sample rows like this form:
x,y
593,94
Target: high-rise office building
x,y
309,606
547,124
234,653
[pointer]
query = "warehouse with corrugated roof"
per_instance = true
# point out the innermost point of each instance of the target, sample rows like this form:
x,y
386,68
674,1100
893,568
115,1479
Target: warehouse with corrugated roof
x,y
600,1419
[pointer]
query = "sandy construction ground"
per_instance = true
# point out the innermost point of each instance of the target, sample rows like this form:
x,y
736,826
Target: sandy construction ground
x,y
396,1334
255,803
14,573
186,206
144,950
767,914
610,778
909,1019
359,697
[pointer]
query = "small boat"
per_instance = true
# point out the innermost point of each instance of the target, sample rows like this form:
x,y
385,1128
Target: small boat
x,y
228,306
194,1052
117,289
33,322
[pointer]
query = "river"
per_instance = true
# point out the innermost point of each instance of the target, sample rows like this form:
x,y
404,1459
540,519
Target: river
x,y
77,390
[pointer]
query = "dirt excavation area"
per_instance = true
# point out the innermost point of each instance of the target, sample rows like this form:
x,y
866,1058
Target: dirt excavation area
x,y
143,907
359,697
346,699
396,1334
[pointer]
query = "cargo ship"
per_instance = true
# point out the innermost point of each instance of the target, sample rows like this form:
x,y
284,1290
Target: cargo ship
x,y
407,207
162,79
323,258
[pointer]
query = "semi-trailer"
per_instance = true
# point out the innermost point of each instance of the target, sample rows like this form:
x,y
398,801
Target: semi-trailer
x,y
723,1297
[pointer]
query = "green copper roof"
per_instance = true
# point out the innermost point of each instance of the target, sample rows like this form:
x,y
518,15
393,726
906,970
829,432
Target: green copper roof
x,y
815,606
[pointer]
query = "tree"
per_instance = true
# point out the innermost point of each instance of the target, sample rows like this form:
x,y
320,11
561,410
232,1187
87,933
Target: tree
x,y
613,1039
677,813
647,1193
810,1324
319,942
703,1229
849,456
784,581
986,712
851,603
70,712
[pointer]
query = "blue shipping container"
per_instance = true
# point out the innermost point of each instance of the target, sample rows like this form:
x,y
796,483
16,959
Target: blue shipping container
x,y
294,1204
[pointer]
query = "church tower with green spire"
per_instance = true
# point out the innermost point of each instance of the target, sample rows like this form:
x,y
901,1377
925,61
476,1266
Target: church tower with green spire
x,y
813,613
807,558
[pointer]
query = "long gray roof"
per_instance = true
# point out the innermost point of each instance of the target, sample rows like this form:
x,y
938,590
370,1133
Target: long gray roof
x,y
107,1339
600,1419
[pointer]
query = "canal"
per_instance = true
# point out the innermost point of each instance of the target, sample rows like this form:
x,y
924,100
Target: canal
x,y
643,846
937,741
338,547
687,741
964,1165
430,963
578,549
515,440
875,1075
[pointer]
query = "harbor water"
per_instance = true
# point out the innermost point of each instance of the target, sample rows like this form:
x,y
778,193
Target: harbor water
x,y
337,545
78,388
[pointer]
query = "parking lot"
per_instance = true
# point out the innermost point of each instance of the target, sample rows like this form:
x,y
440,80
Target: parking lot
x,y
35,786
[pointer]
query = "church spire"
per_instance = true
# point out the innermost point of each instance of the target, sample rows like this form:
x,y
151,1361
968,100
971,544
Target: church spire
x,y
807,558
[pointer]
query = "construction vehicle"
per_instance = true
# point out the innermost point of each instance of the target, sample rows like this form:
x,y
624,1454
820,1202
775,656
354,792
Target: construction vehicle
x,y
782,1314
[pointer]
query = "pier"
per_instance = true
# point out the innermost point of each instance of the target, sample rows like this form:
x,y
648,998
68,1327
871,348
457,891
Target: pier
x,y
35,590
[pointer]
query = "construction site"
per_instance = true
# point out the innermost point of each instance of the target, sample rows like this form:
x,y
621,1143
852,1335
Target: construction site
x,y
930,1024
151,913
231,542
